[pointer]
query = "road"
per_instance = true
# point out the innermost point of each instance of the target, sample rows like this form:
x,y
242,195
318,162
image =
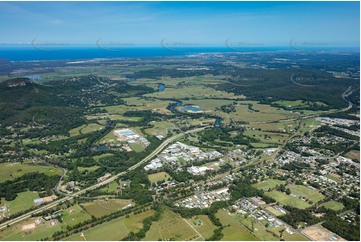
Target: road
x,y
75,194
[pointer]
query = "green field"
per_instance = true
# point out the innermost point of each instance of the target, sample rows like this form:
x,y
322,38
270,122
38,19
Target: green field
x,y
23,201
307,193
171,227
206,228
114,230
84,129
74,215
284,199
99,208
268,184
233,230
336,206
12,170
156,177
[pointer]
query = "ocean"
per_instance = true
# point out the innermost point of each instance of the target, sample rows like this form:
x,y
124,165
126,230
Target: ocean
x,y
81,53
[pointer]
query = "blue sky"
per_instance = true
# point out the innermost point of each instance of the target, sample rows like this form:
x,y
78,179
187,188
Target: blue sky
x,y
201,23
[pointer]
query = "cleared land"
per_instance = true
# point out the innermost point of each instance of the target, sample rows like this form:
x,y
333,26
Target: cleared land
x,y
233,230
160,176
171,227
319,233
100,208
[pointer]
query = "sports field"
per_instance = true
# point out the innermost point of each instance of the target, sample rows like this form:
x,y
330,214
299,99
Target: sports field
x,y
307,193
336,206
288,200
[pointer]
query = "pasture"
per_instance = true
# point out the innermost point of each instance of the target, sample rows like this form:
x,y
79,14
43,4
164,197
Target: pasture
x,y
233,230
23,201
206,228
171,227
10,171
114,230
74,215
99,208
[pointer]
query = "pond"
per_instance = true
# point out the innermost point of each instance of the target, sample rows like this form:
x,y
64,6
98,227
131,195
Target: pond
x,y
191,109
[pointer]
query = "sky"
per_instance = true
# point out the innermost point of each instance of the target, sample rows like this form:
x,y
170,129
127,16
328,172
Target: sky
x,y
181,23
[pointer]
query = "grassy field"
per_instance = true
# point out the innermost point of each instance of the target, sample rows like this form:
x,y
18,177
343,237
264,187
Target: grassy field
x,y
74,215
193,91
91,168
273,211
171,227
336,206
114,230
137,147
267,184
99,208
12,170
287,200
235,231
159,128
23,201
267,137
266,113
156,177
111,187
206,228
84,129
307,193
298,103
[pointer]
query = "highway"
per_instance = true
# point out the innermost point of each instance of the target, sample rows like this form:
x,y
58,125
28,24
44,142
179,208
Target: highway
x,y
112,178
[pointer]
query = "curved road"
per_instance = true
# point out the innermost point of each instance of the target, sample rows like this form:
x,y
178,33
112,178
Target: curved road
x,y
70,196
